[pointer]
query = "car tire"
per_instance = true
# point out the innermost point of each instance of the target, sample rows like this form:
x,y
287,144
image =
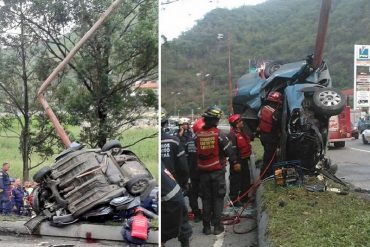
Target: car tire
x,y
41,174
355,136
111,144
339,144
271,68
36,200
328,101
364,140
137,185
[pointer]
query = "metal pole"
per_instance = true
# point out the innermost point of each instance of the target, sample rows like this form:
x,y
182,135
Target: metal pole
x,y
230,82
58,127
321,33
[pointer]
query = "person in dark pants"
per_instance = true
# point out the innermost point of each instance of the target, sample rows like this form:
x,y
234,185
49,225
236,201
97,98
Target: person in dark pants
x,y
174,160
4,187
173,155
18,194
270,129
173,210
187,138
239,181
212,148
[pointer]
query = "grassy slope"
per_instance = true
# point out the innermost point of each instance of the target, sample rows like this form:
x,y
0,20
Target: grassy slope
x,y
147,150
314,219
301,218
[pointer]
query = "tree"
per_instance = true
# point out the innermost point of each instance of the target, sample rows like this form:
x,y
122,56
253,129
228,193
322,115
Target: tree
x,y
18,82
123,51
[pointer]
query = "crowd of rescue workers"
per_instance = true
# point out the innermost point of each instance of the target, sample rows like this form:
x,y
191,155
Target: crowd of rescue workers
x,y
193,165
15,195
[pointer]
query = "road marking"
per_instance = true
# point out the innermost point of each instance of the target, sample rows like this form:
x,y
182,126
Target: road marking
x,y
220,240
361,150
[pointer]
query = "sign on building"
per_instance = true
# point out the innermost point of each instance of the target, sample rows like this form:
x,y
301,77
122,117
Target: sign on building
x,y
362,76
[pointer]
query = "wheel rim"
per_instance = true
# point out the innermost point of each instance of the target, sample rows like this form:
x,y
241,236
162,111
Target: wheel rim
x,y
329,98
139,186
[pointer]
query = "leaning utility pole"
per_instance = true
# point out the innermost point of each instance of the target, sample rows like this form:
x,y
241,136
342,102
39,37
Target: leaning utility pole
x,y
40,94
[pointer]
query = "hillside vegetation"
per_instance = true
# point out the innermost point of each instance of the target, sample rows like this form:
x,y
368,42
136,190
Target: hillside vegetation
x,y
280,30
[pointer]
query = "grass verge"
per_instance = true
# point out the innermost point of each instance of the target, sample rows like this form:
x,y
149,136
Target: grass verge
x,y
301,218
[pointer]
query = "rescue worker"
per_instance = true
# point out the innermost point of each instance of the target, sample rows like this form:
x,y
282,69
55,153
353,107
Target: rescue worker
x,y
18,194
173,154
173,210
212,148
174,160
4,187
187,138
239,181
270,129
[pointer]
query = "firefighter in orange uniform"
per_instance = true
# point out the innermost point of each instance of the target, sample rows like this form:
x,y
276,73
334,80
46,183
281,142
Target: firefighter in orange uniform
x,y
270,129
212,148
239,181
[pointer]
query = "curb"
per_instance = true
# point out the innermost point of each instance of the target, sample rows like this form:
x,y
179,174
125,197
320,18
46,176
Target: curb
x,y
77,230
262,220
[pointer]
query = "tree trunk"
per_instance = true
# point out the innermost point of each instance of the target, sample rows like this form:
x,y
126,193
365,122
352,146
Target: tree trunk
x,y
25,144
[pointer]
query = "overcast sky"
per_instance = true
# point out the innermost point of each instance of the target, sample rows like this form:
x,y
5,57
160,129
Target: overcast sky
x,y
181,16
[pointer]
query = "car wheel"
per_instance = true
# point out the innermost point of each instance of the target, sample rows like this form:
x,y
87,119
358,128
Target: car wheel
x,y
271,68
137,185
339,144
111,144
328,101
35,200
355,136
364,140
41,174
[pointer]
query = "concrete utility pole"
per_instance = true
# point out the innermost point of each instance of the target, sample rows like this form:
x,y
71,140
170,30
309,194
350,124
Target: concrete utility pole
x,y
40,94
321,33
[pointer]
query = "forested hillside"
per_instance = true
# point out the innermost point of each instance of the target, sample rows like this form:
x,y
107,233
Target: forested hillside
x,y
283,30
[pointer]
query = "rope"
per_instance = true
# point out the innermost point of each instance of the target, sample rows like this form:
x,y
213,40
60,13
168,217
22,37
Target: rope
x,y
234,220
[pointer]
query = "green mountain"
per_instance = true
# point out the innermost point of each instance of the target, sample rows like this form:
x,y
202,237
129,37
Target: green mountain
x,y
279,30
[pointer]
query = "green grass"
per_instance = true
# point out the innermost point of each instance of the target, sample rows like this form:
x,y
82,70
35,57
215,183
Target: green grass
x,y
146,150
257,148
301,218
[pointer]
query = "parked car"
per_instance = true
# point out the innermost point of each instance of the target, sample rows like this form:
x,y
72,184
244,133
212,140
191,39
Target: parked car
x,y
84,183
363,124
366,135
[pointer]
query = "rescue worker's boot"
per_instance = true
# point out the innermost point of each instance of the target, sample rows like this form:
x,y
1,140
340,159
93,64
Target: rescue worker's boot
x,y
197,216
185,243
206,229
218,229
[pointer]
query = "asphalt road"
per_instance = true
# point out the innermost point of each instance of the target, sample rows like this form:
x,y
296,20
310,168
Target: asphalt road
x,y
231,237
353,163
28,241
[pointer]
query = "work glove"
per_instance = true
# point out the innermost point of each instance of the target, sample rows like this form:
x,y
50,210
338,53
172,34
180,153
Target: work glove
x,y
237,167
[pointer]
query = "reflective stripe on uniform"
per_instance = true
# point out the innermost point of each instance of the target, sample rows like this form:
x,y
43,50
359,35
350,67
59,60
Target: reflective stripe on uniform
x,y
170,140
228,145
212,164
172,193
181,153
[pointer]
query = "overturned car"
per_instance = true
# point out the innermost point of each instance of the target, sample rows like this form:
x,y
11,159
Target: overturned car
x,y
309,100
86,183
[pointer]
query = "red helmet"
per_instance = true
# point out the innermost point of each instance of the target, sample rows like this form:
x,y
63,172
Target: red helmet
x,y
234,118
275,96
198,125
